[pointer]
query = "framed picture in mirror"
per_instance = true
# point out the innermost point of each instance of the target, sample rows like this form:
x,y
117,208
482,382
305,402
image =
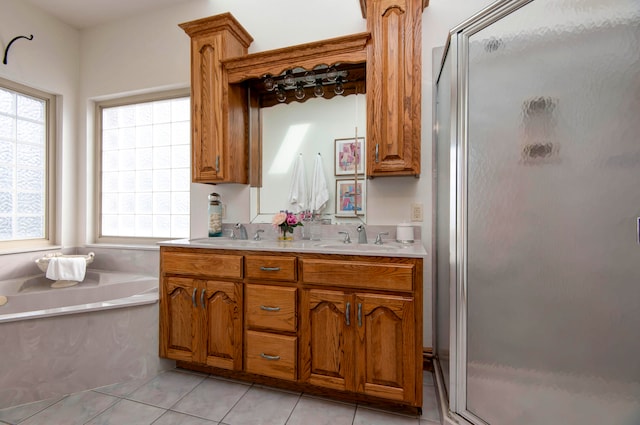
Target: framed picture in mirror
x,y
350,198
349,156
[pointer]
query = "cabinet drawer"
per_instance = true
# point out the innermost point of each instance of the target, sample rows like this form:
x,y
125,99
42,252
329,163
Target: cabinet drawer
x,y
202,263
270,267
271,307
271,355
383,275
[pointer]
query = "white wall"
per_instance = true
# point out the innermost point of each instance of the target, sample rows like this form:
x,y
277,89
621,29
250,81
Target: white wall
x,y
49,63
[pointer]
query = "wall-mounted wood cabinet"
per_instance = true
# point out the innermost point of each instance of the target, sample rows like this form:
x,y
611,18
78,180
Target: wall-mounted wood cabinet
x,y
394,73
226,81
219,111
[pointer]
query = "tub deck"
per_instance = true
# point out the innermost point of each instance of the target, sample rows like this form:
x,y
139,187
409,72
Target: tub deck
x,y
33,297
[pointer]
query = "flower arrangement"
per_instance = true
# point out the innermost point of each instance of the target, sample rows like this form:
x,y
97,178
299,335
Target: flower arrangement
x,y
286,221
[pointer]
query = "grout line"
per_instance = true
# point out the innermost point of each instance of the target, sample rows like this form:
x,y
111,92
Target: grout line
x,y
294,408
236,403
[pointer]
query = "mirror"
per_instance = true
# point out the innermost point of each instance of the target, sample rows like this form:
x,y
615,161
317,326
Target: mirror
x,y
304,130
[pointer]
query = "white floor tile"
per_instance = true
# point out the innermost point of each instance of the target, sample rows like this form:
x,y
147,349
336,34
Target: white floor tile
x,y
316,411
212,399
75,409
166,389
260,406
128,412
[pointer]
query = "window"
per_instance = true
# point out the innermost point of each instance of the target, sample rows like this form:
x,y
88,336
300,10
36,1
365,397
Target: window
x,y
144,169
26,165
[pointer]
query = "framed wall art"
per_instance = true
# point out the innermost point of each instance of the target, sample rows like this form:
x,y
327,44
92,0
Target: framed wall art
x,y
350,198
349,156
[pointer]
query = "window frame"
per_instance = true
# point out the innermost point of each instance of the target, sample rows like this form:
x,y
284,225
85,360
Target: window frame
x,y
50,186
115,102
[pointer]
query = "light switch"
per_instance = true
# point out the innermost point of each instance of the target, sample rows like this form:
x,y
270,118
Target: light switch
x,y
416,212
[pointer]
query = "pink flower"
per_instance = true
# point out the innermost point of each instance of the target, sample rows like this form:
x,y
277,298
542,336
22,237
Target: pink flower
x,y
279,219
292,220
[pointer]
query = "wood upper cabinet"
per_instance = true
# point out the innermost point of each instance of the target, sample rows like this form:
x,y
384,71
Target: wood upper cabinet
x,y
219,111
394,73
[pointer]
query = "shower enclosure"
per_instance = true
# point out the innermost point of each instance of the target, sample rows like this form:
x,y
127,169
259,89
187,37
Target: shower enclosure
x,y
537,229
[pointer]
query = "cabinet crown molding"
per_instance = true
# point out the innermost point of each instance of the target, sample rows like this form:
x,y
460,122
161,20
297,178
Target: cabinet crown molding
x,y
222,22
363,7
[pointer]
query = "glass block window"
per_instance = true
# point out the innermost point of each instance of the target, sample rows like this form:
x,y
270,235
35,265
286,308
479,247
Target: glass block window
x,y
23,165
145,169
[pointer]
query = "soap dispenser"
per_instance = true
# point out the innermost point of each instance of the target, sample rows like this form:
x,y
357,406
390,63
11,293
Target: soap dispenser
x,y
215,215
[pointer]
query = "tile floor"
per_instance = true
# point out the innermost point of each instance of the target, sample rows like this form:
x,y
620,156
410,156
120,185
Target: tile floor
x,y
179,397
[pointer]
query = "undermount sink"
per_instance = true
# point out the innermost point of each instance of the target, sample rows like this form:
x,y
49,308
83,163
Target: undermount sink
x,y
357,247
227,241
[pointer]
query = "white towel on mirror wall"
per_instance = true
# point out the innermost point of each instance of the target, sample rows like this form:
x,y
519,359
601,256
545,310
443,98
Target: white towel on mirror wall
x,y
67,268
298,187
319,192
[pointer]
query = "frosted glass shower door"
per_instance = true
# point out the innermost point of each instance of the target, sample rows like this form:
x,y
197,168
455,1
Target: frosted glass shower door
x,y
552,178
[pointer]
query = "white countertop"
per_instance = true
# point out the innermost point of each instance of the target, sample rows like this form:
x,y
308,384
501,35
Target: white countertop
x,y
329,246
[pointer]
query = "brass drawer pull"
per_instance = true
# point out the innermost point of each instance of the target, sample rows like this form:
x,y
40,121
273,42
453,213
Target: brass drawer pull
x,y
268,357
270,269
267,308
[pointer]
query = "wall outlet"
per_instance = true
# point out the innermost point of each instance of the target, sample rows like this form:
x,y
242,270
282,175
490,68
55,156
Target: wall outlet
x,y
416,211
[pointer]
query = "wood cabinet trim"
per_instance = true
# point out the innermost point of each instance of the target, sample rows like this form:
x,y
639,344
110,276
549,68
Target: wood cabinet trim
x,y
350,48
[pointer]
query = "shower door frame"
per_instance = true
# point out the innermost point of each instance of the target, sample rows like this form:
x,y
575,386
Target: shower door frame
x,y
458,47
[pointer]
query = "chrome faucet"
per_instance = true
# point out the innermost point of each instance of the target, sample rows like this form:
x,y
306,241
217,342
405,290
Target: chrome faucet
x,y
256,237
347,238
243,231
379,238
362,233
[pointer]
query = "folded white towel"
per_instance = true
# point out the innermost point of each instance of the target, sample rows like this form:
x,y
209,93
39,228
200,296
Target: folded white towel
x,y
67,268
298,187
319,192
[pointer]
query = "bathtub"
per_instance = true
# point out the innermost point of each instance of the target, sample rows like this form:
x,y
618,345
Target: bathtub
x,y
33,297
58,341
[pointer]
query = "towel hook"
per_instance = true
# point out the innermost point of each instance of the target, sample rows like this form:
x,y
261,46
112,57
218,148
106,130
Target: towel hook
x,y
6,51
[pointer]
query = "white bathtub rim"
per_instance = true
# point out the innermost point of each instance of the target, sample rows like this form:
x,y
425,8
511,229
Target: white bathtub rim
x,y
149,297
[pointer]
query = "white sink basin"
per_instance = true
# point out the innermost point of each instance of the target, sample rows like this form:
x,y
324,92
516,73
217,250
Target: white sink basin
x,y
357,247
227,241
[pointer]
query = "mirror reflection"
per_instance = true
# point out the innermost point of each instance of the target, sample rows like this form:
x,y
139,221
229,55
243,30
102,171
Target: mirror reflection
x,y
317,137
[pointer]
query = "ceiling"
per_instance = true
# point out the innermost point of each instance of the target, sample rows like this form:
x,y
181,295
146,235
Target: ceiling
x,y
88,13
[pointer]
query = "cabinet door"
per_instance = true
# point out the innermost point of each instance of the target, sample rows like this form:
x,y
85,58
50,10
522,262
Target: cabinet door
x,y
386,349
206,88
179,319
393,87
326,339
221,304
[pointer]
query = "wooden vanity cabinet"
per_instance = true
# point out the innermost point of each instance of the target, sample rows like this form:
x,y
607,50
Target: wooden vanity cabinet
x,y
348,326
219,111
201,308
